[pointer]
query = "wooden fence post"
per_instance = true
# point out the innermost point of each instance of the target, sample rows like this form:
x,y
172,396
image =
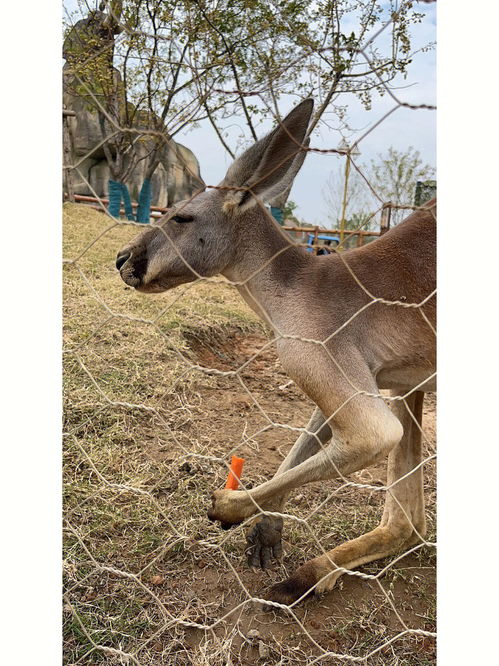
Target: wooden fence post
x,y
67,145
316,238
386,214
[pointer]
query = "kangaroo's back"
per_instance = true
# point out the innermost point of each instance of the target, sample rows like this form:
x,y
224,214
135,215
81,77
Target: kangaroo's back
x,y
401,264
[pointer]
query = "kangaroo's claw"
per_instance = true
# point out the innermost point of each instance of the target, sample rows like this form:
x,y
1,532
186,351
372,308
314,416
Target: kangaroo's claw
x,y
263,542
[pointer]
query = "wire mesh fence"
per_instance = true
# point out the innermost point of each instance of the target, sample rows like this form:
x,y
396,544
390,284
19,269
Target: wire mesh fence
x,y
160,392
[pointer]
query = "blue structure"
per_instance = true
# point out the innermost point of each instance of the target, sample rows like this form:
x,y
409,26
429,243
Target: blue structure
x,y
277,214
117,192
127,202
328,241
145,196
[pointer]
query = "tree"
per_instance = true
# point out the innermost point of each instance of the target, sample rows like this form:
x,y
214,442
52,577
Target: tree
x,y
359,200
311,51
393,176
139,78
289,209
182,61
89,73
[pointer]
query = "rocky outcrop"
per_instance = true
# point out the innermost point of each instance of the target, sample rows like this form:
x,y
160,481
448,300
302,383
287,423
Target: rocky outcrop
x,y
175,178
177,174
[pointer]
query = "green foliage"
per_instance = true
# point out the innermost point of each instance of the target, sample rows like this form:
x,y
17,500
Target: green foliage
x,y
360,220
394,175
159,67
182,60
289,209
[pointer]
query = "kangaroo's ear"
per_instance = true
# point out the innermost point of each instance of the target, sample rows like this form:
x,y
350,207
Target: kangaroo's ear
x,y
269,166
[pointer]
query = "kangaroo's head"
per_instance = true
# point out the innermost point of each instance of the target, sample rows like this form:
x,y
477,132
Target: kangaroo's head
x,y
199,236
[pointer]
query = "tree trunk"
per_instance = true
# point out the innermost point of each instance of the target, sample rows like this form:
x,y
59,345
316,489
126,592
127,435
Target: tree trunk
x,y
145,196
68,152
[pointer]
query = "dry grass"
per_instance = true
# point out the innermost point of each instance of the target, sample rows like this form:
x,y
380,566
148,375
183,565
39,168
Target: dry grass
x,y
144,569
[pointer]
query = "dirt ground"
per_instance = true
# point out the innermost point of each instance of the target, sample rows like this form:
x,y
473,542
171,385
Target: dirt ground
x,y
338,620
209,581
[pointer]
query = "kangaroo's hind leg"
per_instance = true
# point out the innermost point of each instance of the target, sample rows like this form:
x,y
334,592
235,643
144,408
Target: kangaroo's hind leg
x,y
402,525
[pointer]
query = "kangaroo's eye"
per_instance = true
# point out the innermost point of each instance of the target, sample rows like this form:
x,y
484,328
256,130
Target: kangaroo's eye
x,y
182,218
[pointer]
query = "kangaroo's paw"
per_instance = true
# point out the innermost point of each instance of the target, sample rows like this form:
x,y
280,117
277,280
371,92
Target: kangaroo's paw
x,y
263,542
230,507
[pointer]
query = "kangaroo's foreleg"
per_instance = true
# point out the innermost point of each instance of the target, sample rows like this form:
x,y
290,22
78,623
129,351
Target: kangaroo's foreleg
x,y
364,433
264,538
402,525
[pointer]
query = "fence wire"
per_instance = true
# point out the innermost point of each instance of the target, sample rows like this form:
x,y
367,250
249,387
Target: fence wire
x,y
159,395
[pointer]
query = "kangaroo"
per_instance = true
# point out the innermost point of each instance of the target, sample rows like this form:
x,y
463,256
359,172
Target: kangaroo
x,y
347,325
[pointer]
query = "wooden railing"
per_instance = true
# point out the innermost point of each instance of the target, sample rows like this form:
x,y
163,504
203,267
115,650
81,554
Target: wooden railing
x,y
316,231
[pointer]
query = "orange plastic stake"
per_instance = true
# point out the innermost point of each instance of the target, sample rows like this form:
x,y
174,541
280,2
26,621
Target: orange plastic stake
x,y
236,469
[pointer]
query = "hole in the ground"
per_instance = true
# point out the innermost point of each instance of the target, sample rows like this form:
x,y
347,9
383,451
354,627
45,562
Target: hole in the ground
x,y
228,349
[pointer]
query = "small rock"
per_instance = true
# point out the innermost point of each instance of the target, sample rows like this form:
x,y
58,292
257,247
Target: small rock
x,y
263,650
283,387
157,580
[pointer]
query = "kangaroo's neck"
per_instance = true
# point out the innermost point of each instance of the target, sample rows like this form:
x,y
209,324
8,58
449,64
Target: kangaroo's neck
x,y
267,267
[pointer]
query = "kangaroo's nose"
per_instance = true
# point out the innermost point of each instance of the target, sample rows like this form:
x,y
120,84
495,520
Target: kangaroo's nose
x,y
122,258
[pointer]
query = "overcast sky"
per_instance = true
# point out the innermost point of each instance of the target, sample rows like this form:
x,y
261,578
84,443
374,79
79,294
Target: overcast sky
x,y
403,128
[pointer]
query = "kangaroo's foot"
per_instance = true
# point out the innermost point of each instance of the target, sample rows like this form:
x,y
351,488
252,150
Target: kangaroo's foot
x,y
263,541
320,574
